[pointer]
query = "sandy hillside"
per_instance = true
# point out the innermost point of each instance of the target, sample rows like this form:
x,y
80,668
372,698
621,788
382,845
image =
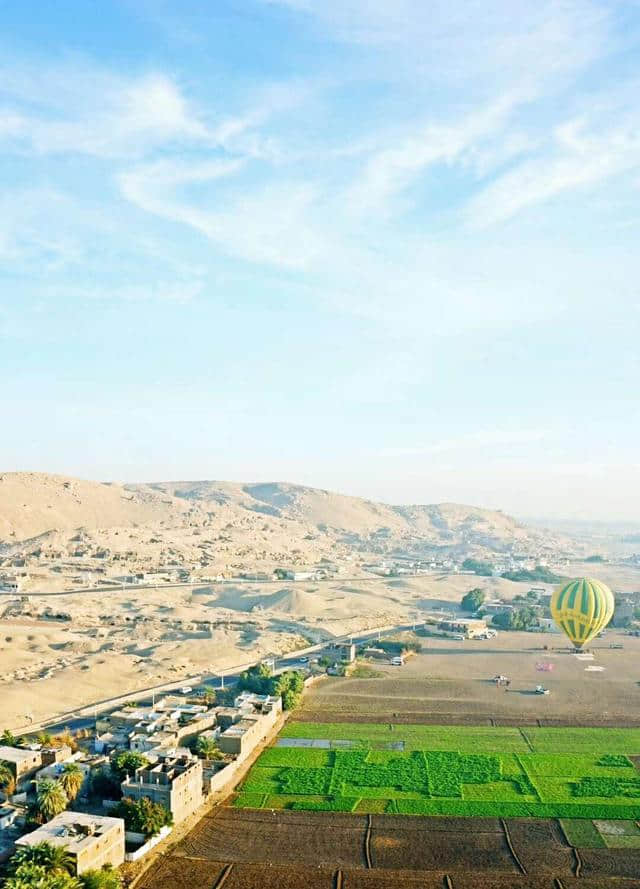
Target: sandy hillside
x,y
123,641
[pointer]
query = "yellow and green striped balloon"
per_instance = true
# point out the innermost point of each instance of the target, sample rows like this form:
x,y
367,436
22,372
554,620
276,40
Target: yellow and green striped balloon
x,y
582,608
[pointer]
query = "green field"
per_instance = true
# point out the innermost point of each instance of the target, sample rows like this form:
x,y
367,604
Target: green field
x,y
448,770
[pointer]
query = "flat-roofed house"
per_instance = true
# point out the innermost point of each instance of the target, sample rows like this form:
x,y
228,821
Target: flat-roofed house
x,y
174,781
22,761
93,841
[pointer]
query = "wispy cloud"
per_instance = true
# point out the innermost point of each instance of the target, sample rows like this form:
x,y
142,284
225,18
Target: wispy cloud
x,y
580,155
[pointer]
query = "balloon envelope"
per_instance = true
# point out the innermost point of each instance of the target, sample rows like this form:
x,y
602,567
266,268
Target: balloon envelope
x,y
582,608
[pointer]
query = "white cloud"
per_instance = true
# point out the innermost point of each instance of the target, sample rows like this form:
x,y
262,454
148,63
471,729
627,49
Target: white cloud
x,y
393,169
118,119
268,224
479,38
578,157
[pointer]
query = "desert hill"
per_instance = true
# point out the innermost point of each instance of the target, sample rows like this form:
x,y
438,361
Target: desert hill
x,y
254,522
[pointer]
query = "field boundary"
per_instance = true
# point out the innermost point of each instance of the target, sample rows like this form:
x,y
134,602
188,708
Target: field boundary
x,y
507,837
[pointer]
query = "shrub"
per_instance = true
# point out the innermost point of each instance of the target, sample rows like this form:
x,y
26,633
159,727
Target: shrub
x,y
614,760
608,788
304,781
143,815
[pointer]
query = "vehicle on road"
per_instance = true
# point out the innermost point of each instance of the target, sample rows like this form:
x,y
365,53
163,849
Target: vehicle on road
x,y
304,659
397,661
541,690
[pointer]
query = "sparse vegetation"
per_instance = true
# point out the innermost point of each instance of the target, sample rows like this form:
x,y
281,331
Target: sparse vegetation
x,y
539,574
482,569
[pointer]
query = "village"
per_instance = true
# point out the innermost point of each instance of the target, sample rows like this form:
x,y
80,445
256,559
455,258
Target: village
x,y
109,797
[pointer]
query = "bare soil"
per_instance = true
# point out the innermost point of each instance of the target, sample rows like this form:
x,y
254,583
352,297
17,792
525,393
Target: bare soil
x,y
290,849
450,683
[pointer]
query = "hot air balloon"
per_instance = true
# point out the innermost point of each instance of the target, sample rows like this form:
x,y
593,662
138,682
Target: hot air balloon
x,y
582,608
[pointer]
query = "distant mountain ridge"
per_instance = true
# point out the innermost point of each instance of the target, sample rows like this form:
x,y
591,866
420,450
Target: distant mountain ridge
x,y
33,504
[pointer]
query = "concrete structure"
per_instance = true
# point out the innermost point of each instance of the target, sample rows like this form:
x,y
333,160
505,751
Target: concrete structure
x,y
88,765
51,755
469,628
495,606
142,742
92,840
174,782
23,762
256,714
346,651
624,610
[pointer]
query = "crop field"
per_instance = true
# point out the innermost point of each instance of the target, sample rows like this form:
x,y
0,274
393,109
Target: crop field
x,y
568,773
258,849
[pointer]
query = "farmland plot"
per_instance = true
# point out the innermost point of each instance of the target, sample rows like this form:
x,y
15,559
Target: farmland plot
x,y
451,770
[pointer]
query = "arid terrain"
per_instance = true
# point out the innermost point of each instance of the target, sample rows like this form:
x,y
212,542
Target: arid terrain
x,y
450,682
106,589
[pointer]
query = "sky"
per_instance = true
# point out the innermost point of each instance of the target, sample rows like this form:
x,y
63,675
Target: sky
x,y
386,247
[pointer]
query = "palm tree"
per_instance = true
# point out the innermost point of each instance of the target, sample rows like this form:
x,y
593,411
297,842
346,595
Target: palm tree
x,y
51,798
10,740
44,738
7,781
207,748
72,779
66,738
36,876
55,859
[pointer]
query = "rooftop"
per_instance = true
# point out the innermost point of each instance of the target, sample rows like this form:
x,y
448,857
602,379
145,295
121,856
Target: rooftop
x,y
17,754
73,830
239,728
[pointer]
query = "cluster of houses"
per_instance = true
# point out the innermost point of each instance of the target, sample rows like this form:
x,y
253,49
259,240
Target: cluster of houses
x,y
173,776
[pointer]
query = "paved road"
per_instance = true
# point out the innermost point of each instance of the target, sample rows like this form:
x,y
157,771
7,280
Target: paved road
x,y
216,680
240,581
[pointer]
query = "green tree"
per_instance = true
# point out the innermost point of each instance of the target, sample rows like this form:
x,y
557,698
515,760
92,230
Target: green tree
x,y
105,785
483,569
124,764
7,781
143,815
8,739
35,876
256,679
472,600
107,878
289,686
45,739
50,798
72,779
207,748
517,618
56,859
209,697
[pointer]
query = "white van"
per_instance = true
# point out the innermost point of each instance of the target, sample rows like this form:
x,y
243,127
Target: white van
x,y
397,661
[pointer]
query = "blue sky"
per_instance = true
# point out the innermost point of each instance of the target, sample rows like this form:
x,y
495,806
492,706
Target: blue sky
x,y
390,248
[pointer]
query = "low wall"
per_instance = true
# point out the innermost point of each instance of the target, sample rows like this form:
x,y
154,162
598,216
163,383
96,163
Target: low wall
x,y
146,847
